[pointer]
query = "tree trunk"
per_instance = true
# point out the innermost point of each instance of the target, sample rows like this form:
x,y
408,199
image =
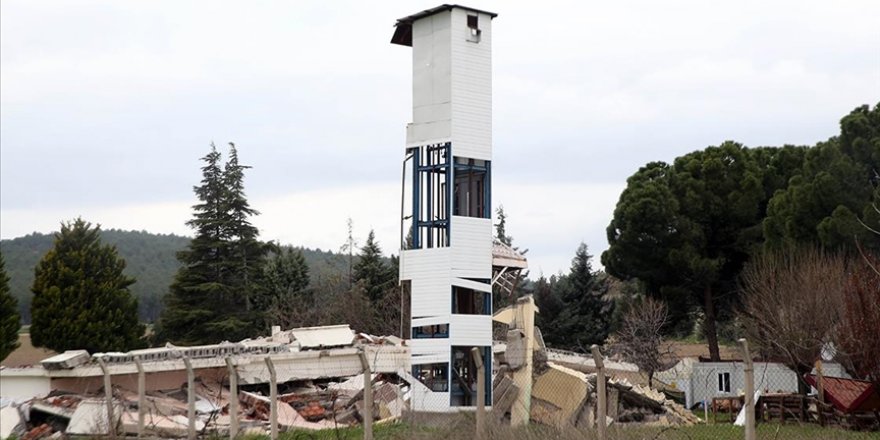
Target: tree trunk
x,y
709,324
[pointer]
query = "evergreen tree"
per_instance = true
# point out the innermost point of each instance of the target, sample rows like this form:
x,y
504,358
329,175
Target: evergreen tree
x,y
10,321
81,297
286,275
288,301
211,297
584,318
501,227
247,253
549,302
371,270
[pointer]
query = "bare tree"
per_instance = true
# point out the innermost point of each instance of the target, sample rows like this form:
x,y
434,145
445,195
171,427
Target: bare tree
x,y
791,303
639,339
856,337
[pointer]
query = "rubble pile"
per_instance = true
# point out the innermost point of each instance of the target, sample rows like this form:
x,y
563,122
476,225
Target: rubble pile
x,y
311,406
562,396
325,401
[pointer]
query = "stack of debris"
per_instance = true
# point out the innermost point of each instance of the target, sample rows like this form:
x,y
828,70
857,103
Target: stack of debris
x,y
562,396
308,406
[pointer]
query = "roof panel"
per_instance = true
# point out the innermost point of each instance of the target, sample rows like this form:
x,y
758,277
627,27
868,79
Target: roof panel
x,y
327,336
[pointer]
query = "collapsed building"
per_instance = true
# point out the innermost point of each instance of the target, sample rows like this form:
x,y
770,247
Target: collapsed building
x,y
320,385
316,370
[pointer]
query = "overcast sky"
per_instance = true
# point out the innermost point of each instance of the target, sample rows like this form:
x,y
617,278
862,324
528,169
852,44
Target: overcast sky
x,y
105,107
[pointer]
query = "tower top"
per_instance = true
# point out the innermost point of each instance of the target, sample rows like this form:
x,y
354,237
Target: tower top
x,y
403,27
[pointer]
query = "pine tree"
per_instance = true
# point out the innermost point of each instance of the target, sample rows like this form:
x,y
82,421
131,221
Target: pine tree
x,y
584,319
371,270
501,227
286,281
81,296
211,298
247,253
10,321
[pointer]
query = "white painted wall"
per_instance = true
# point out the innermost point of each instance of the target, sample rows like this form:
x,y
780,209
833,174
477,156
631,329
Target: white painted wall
x,y
21,388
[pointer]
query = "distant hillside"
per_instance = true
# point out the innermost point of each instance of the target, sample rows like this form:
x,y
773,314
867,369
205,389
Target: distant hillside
x,y
150,259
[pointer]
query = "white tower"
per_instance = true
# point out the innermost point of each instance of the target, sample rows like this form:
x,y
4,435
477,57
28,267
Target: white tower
x,y
447,255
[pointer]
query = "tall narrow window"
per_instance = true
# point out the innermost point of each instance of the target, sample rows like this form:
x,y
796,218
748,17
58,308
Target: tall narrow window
x,y
472,188
724,382
473,24
463,387
430,197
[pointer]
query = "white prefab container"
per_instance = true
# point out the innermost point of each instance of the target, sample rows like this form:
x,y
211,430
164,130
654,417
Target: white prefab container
x,y
703,381
447,260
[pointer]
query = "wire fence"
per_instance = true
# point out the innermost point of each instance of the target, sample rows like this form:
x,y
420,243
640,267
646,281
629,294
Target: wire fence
x,y
375,391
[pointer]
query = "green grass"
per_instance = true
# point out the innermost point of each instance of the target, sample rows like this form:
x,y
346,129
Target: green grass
x,y
465,430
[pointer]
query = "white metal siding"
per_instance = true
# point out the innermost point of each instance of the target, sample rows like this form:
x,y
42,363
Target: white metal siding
x,y
429,351
468,284
471,87
425,263
432,73
470,330
431,298
471,243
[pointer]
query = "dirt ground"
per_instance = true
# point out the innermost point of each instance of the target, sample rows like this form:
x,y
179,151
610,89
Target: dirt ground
x,y
683,349
26,354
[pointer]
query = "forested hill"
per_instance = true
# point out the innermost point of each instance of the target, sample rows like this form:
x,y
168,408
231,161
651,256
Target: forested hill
x,y
150,260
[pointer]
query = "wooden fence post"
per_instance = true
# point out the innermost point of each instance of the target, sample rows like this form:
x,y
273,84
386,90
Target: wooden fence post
x,y
601,395
749,404
273,399
481,393
368,396
190,399
233,399
142,399
108,396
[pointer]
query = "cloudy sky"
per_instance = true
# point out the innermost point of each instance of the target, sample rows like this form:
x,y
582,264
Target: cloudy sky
x,y
105,107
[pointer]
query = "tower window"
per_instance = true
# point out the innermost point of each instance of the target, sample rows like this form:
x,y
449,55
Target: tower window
x,y
471,302
463,388
430,196
473,21
431,331
472,188
434,376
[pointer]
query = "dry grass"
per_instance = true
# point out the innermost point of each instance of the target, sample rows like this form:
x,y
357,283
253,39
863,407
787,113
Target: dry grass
x,y
26,353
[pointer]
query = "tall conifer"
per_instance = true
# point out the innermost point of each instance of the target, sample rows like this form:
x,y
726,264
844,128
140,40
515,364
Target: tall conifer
x,y
81,296
211,298
10,320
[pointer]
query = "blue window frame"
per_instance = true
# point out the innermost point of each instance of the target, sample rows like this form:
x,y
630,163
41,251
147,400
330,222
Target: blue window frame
x,y
431,194
473,188
438,331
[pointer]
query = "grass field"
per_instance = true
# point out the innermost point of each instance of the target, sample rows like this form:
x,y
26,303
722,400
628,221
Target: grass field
x,y
465,431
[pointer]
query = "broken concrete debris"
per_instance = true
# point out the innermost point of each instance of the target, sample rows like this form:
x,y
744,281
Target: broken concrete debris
x,y
321,388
